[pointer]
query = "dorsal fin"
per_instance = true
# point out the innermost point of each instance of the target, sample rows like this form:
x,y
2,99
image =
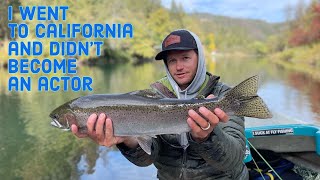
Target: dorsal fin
x,y
248,87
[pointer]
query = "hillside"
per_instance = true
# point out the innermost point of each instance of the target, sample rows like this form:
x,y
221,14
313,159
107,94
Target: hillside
x,y
236,32
151,23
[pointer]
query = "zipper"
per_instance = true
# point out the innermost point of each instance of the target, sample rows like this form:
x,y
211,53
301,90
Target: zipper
x,y
184,161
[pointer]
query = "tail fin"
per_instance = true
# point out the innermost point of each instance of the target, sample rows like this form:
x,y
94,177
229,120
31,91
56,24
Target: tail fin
x,y
254,107
242,100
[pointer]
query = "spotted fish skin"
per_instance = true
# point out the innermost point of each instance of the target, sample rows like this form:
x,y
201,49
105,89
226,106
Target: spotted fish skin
x,y
136,114
242,100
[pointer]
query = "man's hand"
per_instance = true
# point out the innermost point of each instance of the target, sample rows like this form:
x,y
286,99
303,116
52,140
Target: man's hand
x,y
202,125
100,130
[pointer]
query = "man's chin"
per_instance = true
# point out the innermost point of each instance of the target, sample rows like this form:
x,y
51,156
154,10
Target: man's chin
x,y
183,85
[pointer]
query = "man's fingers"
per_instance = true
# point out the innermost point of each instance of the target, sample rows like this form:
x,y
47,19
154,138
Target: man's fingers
x,y
213,119
74,130
100,126
211,96
197,118
194,126
108,128
221,115
90,123
110,140
100,130
197,133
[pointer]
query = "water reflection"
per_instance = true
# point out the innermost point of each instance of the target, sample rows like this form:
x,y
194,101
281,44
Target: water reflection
x,y
112,165
310,88
288,94
30,148
12,134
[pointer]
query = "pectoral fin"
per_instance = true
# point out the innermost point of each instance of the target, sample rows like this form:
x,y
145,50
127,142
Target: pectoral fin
x,y
145,143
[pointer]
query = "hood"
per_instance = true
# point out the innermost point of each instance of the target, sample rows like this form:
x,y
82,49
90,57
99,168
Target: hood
x,y
192,90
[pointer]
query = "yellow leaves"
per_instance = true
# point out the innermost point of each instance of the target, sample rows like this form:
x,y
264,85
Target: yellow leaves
x,y
160,24
211,42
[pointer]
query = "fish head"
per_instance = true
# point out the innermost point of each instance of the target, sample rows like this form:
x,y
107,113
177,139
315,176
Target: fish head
x,y
63,117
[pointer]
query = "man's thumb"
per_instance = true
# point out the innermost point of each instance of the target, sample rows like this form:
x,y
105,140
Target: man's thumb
x,y
211,96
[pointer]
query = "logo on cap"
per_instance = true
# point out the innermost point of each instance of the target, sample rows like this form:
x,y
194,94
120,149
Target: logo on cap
x,y
172,39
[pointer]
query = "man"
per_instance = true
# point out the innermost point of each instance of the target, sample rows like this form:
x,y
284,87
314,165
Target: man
x,y
215,146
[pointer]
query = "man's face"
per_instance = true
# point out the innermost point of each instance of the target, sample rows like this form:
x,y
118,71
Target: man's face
x,y
182,65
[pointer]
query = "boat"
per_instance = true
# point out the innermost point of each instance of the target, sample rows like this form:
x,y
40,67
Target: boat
x,y
291,139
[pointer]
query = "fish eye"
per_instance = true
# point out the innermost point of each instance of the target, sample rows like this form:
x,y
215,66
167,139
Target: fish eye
x,y
55,116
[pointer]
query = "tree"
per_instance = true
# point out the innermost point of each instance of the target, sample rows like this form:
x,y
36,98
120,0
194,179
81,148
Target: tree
x,y
177,13
210,42
159,24
4,30
306,28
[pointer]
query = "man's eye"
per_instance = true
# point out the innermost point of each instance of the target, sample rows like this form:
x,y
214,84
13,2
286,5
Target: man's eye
x,y
170,60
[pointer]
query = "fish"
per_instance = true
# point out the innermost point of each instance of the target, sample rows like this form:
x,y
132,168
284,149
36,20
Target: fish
x,y
143,116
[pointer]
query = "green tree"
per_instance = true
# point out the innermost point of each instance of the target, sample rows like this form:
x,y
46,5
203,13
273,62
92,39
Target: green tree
x,y
259,48
4,30
210,42
177,13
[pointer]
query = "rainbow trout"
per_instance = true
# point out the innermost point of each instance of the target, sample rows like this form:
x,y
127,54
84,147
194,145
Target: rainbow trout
x,y
143,116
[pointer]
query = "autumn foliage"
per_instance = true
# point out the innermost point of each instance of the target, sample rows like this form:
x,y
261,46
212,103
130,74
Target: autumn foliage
x,y
307,29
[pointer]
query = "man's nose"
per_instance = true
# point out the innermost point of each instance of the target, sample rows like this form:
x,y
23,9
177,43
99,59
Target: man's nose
x,y
179,65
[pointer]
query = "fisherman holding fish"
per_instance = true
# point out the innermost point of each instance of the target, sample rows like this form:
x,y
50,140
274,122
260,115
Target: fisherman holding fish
x,y
214,148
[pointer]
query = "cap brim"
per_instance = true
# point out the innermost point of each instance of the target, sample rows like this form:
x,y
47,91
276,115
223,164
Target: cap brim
x,y
161,55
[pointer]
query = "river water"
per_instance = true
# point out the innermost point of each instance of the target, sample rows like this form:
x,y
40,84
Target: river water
x,y
31,149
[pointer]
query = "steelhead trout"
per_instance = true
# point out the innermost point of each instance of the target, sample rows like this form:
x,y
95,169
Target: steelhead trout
x,y
137,114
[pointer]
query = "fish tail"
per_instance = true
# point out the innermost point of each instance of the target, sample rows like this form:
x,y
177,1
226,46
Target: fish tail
x,y
242,100
255,107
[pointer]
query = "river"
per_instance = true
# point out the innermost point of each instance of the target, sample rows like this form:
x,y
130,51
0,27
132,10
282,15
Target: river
x,y
31,149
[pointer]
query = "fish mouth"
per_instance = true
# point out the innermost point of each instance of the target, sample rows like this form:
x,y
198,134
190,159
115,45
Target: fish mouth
x,y
56,123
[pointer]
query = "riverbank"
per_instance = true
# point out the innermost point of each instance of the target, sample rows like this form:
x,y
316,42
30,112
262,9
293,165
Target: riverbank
x,y
305,59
